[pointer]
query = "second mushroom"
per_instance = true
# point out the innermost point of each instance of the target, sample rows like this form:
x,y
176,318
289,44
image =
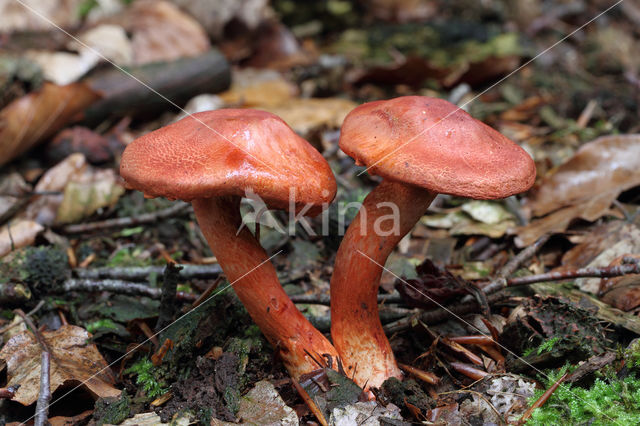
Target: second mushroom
x,y
421,147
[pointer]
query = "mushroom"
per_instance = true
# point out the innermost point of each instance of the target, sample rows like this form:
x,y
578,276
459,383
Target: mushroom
x,y
420,146
212,159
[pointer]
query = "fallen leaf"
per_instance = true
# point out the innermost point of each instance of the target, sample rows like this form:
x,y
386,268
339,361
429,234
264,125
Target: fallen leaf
x,y
621,292
63,67
17,234
93,190
368,413
473,218
607,165
306,115
143,419
83,190
583,187
488,212
12,188
598,239
258,89
72,361
110,41
44,207
162,32
36,116
70,421
263,405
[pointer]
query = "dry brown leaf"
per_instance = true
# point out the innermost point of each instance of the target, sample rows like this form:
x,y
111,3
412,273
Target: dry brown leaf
x,y
17,234
583,187
36,116
162,32
72,361
610,164
258,89
599,239
621,292
304,115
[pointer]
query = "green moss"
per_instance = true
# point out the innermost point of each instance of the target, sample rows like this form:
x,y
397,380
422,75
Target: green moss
x,y
112,410
609,400
148,377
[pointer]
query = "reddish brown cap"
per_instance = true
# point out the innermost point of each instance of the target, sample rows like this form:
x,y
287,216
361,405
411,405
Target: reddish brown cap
x,y
433,144
227,152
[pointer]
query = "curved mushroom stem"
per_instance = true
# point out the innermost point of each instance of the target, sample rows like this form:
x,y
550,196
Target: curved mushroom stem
x,y
254,280
386,215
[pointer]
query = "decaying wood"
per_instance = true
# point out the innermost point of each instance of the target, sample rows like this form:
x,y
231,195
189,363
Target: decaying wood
x,y
163,83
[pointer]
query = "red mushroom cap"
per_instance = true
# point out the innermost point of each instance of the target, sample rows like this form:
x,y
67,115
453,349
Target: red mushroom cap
x,y
431,143
235,150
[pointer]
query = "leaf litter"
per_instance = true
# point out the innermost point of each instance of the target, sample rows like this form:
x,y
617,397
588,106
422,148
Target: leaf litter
x,y
312,64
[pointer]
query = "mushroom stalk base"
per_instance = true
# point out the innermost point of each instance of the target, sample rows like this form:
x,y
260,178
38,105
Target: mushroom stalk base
x,y
387,214
254,280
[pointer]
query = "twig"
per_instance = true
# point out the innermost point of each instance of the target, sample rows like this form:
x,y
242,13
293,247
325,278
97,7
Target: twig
x,y
42,406
604,272
468,370
512,266
143,273
204,296
123,222
122,287
473,340
438,315
324,299
540,401
38,336
310,403
168,295
425,376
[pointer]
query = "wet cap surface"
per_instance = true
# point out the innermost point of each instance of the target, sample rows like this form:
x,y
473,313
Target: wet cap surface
x,y
247,150
433,144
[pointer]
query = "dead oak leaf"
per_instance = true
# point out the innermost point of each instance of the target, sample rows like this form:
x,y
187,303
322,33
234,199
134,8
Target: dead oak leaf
x,y
584,186
72,361
34,117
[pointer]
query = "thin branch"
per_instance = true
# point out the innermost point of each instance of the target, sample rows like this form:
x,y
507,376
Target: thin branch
x,y
500,282
42,406
441,314
605,272
516,261
122,287
143,273
324,299
540,401
124,222
38,336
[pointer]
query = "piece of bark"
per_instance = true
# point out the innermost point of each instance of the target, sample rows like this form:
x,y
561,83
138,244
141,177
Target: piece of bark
x,y
166,85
